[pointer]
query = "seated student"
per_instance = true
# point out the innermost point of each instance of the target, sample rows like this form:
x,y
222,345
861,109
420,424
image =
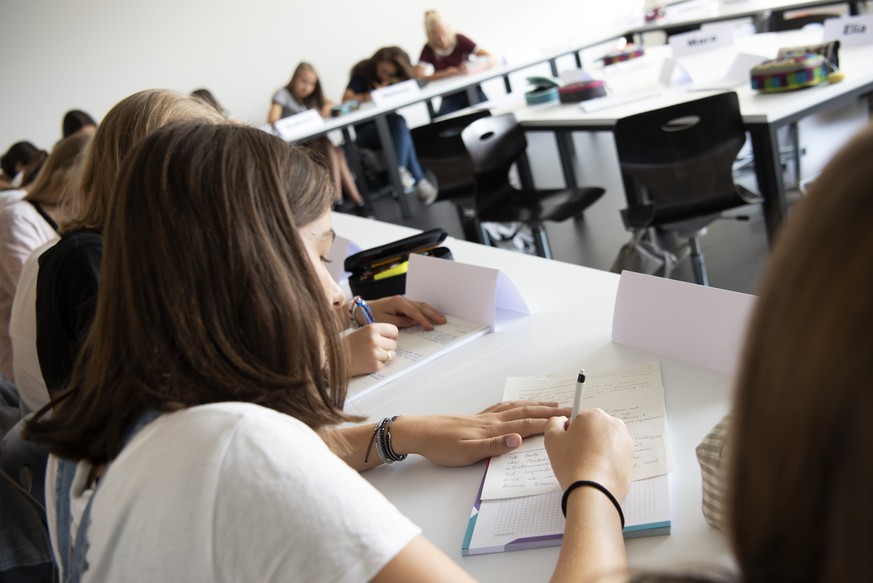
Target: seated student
x,y
61,281
387,66
182,347
448,53
304,92
76,121
29,223
15,161
207,97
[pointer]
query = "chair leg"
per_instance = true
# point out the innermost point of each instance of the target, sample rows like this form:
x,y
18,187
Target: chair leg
x,y
470,225
698,265
541,241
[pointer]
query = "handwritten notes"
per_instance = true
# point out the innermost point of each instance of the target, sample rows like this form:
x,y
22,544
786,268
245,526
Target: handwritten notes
x,y
634,394
416,347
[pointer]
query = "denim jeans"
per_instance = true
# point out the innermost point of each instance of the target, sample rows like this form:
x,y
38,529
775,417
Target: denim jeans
x,y
368,137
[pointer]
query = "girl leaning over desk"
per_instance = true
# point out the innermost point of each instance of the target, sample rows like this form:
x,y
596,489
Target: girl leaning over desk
x,y
191,443
387,66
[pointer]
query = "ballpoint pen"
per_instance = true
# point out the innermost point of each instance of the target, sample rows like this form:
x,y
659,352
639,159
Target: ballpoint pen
x,y
365,307
577,399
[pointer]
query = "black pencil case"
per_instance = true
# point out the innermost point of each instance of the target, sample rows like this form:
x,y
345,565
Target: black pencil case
x,y
381,271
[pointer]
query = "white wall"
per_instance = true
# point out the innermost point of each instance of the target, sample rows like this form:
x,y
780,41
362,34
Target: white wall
x,y
89,54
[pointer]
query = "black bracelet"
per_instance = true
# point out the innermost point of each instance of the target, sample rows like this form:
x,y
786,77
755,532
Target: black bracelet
x,y
596,485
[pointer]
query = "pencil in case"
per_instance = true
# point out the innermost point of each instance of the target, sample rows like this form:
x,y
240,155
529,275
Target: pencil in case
x,y
583,91
625,54
381,271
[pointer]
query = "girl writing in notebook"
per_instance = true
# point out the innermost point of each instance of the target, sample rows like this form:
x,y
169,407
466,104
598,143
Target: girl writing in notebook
x,y
304,92
387,66
191,444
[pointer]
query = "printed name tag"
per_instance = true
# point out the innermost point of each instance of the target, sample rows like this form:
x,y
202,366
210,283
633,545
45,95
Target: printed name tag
x,y
299,124
851,31
698,41
394,93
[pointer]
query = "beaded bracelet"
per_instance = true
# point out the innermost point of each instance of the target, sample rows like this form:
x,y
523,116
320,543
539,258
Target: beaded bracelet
x,y
381,438
596,486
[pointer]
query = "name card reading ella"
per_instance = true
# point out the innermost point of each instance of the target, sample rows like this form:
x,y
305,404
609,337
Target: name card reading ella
x,y
299,124
851,31
699,41
394,93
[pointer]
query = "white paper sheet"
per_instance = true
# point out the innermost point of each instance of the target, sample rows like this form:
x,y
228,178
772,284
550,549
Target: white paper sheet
x,y
416,347
634,394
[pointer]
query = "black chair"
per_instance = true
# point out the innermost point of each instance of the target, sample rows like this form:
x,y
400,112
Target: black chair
x,y
495,144
442,153
676,164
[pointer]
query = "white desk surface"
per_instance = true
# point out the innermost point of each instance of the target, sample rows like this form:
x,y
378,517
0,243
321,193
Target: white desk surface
x,y
725,10
641,77
570,326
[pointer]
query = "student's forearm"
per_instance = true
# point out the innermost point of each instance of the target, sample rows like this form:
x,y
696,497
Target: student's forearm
x,y
593,547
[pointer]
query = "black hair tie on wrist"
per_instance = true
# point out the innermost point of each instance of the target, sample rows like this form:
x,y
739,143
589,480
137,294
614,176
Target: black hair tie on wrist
x,y
597,486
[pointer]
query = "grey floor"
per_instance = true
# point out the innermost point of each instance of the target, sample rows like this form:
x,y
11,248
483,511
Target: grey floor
x,y
735,251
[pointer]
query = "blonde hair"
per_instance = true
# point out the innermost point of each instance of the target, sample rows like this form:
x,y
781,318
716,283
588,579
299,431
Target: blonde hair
x,y
126,124
432,20
56,178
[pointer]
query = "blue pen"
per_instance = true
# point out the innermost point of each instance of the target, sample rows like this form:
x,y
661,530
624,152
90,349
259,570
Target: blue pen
x,y
365,307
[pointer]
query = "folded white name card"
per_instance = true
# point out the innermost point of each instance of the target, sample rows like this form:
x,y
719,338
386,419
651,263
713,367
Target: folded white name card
x,y
698,41
467,291
394,93
299,124
851,31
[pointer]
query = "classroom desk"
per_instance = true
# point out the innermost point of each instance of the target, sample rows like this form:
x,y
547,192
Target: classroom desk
x,y
757,10
433,90
569,327
763,114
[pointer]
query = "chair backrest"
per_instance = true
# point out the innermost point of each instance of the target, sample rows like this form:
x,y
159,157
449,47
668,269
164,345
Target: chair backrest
x,y
677,161
441,150
494,144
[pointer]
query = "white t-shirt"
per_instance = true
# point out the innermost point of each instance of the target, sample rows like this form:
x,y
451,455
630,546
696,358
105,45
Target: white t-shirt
x,y
232,492
22,229
22,333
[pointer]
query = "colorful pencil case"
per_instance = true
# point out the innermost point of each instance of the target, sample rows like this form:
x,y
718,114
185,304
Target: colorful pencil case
x,y
788,73
583,91
381,271
625,54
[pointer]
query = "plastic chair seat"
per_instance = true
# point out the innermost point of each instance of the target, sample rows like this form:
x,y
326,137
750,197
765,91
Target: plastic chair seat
x,y
513,205
494,145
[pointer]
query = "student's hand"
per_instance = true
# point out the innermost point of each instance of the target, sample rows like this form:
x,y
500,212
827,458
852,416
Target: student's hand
x,y
461,440
595,446
403,313
370,348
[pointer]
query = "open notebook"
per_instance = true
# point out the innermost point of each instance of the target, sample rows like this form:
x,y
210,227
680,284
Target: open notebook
x,y
518,505
416,347
529,522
